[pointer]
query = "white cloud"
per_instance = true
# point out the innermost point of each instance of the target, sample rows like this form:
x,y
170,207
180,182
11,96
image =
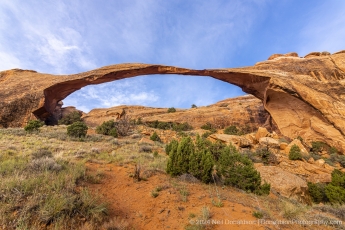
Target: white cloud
x,y
44,39
62,37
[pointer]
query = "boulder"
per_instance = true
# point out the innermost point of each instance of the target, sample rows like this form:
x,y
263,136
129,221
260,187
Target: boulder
x,y
320,178
285,183
272,143
262,132
311,160
283,145
239,141
320,162
303,168
299,144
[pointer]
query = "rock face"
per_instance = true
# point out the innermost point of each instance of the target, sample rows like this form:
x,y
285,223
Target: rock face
x,y
285,183
240,111
304,96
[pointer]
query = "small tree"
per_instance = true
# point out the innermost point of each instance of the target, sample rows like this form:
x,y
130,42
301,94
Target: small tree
x,y
70,118
194,106
178,162
238,171
171,147
33,125
155,137
77,129
105,127
295,153
171,110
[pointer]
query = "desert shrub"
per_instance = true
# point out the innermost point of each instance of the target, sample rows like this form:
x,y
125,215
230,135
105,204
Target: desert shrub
x,y
337,158
341,160
185,157
333,150
318,146
295,153
215,148
43,164
201,161
171,147
170,125
231,130
155,137
41,153
317,192
155,154
124,126
113,132
264,153
105,127
70,118
194,106
171,110
338,178
207,134
77,129
207,126
238,171
335,194
181,127
145,148
178,162
112,128
33,125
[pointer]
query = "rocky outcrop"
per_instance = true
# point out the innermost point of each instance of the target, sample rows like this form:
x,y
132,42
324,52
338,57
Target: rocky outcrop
x,y
285,183
238,141
304,96
243,111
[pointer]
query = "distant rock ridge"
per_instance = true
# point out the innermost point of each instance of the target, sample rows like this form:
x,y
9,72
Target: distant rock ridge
x,y
304,96
243,111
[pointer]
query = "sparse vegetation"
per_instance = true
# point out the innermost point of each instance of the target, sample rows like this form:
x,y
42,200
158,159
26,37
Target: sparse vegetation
x,y
43,192
258,214
197,159
333,192
295,153
155,137
33,126
178,127
171,110
77,129
107,128
70,118
231,130
238,171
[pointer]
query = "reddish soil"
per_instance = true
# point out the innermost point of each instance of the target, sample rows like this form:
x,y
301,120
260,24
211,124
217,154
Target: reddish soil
x,y
132,201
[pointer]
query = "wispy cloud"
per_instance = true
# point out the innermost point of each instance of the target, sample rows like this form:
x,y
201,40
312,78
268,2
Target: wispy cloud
x,y
40,36
74,36
323,29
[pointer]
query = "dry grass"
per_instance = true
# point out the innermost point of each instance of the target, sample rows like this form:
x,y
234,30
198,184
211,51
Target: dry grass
x,y
42,179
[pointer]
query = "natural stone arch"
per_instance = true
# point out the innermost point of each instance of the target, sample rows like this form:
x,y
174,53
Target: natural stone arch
x,y
304,96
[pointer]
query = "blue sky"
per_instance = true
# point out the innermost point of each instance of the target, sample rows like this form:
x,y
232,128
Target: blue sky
x,y
65,37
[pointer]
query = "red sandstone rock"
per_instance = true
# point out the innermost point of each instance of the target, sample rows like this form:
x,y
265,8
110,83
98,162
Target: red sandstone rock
x,y
304,96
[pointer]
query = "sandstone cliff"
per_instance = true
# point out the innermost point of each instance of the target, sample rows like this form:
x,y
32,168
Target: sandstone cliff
x,y
240,111
304,96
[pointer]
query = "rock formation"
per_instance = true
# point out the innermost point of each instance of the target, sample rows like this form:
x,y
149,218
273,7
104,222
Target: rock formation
x,y
304,96
244,111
